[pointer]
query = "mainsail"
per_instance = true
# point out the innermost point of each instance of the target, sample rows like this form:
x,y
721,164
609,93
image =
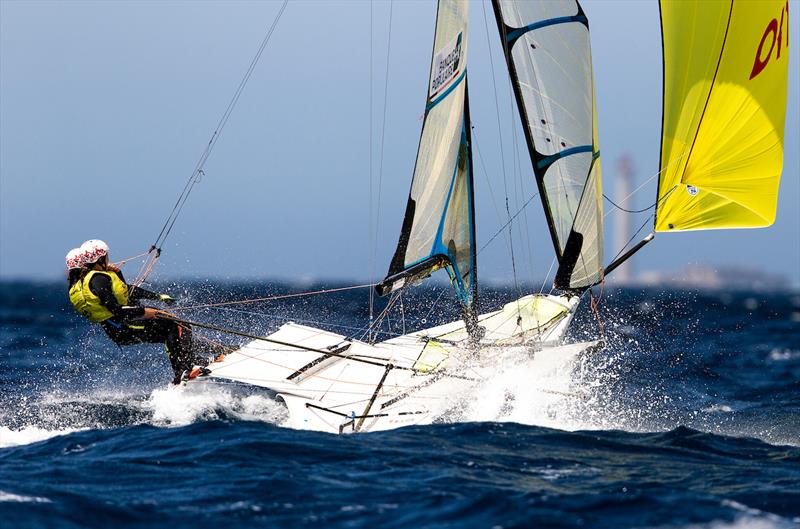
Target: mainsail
x,y
439,225
547,49
725,85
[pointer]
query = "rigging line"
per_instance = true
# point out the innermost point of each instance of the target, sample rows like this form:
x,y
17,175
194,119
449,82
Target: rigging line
x,y
522,227
634,235
402,313
383,127
496,104
298,320
278,342
147,267
547,275
500,139
485,172
595,304
424,319
376,227
371,229
273,298
198,171
146,264
377,322
651,206
656,174
123,262
527,239
510,220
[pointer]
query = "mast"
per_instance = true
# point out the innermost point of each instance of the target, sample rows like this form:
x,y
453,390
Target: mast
x,y
471,309
547,50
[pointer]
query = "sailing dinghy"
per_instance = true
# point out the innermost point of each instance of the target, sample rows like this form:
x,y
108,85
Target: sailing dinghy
x,y
333,383
724,108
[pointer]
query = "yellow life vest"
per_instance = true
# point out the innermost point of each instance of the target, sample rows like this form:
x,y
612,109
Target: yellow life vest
x,y
88,304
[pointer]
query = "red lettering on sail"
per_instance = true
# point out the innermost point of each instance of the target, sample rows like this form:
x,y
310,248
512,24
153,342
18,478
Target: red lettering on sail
x,y
775,30
760,63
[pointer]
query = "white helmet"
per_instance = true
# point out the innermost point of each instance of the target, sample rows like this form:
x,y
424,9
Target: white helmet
x,y
74,259
93,249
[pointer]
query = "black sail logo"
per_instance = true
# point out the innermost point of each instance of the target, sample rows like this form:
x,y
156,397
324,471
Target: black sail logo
x,y
446,66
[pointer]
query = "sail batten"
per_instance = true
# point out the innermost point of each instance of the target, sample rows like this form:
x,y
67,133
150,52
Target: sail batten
x,y
548,160
547,49
724,110
513,34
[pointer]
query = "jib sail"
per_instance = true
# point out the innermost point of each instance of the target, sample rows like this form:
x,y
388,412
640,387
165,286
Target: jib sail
x,y
439,226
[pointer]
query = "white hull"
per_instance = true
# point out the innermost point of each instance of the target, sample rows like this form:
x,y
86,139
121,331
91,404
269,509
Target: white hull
x,y
410,379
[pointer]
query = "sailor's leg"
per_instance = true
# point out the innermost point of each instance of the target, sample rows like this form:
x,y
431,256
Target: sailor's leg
x,y
178,344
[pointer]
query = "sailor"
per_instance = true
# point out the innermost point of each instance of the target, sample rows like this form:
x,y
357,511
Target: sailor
x,y
98,291
74,265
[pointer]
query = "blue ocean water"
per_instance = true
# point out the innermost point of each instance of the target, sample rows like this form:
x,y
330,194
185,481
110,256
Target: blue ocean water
x,y
690,417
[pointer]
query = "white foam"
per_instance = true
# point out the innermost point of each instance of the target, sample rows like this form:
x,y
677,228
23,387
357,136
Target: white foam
x,y
744,522
783,354
9,497
28,435
748,518
717,408
181,405
547,390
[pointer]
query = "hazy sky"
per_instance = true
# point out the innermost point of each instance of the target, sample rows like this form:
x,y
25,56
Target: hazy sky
x,y
106,106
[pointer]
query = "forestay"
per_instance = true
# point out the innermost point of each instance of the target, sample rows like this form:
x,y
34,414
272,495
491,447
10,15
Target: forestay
x,y
725,85
439,227
547,49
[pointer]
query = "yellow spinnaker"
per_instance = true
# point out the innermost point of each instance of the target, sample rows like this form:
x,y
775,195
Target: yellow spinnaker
x,y
725,83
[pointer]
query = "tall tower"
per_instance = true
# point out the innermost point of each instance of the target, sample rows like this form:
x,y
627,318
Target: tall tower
x,y
622,227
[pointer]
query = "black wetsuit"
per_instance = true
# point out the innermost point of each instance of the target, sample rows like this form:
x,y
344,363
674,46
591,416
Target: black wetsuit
x,y
127,328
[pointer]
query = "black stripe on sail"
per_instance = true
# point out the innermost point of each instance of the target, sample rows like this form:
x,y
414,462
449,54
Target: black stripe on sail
x,y
574,247
398,261
572,252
